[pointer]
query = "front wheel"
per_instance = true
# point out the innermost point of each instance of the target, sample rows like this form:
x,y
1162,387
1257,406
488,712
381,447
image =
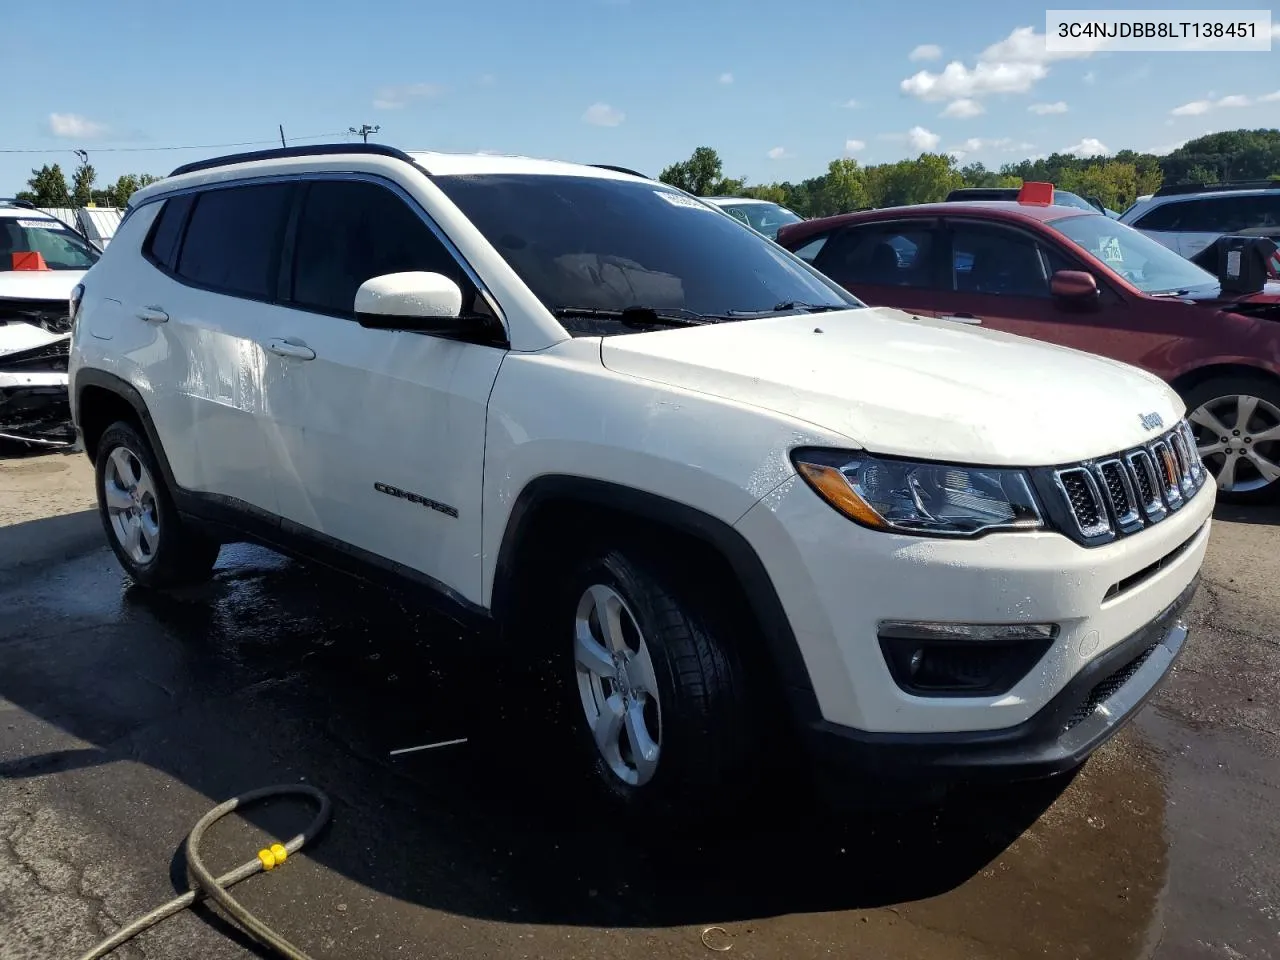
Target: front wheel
x,y
661,695
1236,422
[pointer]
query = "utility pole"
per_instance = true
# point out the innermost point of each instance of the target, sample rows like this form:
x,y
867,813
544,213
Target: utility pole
x,y
282,143
364,131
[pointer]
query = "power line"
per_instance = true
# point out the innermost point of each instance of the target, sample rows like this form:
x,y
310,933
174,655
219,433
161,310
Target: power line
x,y
196,146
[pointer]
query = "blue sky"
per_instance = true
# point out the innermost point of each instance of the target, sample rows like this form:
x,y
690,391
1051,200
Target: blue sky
x,y
779,89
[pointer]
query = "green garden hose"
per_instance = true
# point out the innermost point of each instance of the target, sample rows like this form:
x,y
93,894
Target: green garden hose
x,y
215,888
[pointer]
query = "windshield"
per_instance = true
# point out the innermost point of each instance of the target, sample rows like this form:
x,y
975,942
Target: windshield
x,y
1148,265
768,218
606,244
60,247
1064,198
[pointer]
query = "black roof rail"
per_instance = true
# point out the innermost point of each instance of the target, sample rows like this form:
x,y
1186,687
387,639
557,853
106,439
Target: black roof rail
x,y
283,153
610,166
15,202
1174,189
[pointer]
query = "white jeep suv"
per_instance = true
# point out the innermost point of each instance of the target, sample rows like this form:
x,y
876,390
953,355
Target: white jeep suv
x,y
590,415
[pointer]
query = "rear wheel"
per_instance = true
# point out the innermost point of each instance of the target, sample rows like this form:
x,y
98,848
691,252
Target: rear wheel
x,y
661,697
1236,421
151,541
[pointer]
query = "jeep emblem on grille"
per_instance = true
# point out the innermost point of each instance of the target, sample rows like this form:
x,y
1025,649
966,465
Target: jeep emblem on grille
x,y
1152,421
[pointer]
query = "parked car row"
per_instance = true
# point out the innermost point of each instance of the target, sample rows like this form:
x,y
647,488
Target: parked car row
x,y
742,514
41,260
1075,277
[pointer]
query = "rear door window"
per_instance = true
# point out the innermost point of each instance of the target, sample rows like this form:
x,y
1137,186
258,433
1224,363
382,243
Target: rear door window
x,y
233,238
1167,216
896,255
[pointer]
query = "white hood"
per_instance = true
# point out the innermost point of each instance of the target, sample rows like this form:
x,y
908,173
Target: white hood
x,y
908,386
38,284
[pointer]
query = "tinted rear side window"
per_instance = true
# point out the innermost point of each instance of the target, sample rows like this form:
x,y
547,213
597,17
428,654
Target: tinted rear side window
x,y
232,244
1163,217
895,255
162,245
350,232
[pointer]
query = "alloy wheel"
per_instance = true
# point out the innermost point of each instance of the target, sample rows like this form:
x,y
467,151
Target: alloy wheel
x,y
617,685
130,495
1238,438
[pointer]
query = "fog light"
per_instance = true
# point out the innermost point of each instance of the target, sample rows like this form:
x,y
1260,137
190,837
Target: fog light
x,y
962,659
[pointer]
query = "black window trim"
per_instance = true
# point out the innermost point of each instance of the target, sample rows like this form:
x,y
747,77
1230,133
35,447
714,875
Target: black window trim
x,y
284,282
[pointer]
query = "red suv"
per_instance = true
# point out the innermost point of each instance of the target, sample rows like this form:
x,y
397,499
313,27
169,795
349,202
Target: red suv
x,y
1086,281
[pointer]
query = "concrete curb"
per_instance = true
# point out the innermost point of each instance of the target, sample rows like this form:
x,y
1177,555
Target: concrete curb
x,y
49,540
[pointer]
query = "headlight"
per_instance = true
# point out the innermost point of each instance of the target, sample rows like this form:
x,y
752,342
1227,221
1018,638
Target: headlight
x,y
932,499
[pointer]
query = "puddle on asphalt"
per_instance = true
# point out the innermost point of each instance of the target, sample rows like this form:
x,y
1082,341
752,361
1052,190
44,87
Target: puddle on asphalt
x,y
1027,870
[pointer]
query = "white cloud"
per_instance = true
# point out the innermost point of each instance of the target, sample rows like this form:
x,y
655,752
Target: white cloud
x,y
780,153
726,78
958,82
854,146
921,139
1275,31
850,104
603,115
1088,147
1270,97
1024,45
1198,107
487,79
963,109
983,144
1192,109
1041,109
1090,77
72,125
926,51
393,98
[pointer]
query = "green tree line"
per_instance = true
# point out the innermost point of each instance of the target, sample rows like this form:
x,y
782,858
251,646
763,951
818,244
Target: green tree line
x,y
48,187
1116,180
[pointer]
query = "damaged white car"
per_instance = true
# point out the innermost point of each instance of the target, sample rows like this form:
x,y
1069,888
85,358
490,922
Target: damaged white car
x,y
41,263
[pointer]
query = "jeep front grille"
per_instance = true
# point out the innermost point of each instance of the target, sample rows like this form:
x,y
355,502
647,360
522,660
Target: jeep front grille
x,y
1119,495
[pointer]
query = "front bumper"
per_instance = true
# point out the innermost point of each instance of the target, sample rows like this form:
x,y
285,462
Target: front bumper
x,y
1087,712
34,402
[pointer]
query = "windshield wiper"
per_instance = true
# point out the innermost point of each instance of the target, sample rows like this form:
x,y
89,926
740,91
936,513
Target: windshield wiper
x,y
789,305
639,317
809,307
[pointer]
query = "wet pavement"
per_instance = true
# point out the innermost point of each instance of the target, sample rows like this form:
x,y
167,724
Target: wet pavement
x,y
125,715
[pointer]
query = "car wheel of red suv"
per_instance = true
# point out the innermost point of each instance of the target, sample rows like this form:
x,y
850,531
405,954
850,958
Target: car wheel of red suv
x,y
1236,421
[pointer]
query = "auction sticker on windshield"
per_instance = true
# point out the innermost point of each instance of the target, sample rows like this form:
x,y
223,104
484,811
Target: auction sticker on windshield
x,y
41,225
680,200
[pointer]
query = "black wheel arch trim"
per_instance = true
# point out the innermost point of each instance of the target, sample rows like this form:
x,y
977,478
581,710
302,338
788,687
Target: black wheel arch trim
x,y
757,586
89,377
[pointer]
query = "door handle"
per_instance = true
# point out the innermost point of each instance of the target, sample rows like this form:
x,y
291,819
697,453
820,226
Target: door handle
x,y
290,348
962,318
153,315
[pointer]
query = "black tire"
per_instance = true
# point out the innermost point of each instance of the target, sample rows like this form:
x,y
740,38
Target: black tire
x,y
707,742
182,555
1264,388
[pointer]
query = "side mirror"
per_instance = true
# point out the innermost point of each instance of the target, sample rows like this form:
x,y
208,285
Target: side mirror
x,y
1077,287
429,302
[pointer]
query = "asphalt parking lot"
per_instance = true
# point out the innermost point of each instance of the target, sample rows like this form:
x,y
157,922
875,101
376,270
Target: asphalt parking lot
x,y
124,716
